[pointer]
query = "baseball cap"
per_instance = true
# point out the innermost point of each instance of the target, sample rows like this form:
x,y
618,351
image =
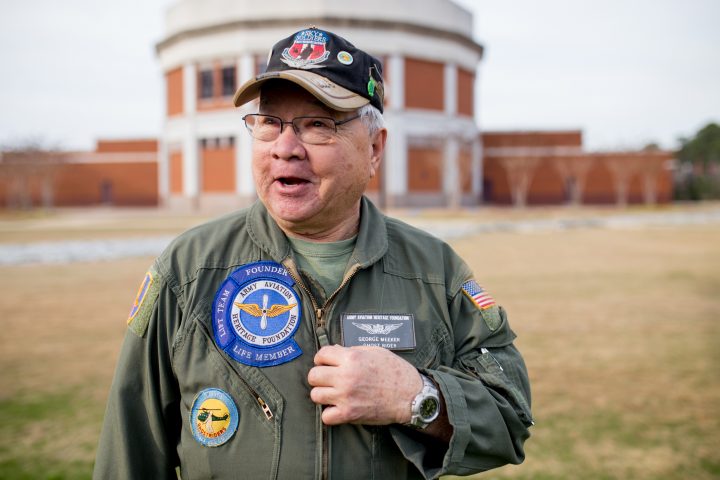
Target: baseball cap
x,y
337,73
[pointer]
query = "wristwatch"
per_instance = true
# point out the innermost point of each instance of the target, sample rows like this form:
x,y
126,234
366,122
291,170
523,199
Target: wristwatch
x,y
425,407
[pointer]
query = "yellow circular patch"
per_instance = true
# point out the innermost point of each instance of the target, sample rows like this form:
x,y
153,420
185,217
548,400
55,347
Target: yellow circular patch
x,y
214,417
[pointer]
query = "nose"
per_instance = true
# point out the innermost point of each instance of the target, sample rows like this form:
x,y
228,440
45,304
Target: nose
x,y
288,146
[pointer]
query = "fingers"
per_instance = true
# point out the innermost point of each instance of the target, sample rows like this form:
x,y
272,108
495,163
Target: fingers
x,y
322,376
332,355
333,415
369,385
323,395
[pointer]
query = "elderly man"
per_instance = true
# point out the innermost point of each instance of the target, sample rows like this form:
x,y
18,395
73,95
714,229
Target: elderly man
x,y
309,336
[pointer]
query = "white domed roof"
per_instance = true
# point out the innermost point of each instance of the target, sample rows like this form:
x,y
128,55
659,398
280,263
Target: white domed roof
x,y
192,15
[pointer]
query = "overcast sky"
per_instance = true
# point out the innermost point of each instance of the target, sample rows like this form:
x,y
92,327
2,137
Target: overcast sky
x,y
626,72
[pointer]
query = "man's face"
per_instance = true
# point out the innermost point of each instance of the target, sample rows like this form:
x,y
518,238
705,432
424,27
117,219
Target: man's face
x,y
313,190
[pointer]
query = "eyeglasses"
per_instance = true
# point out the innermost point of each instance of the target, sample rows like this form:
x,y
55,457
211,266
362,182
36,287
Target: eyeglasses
x,y
312,130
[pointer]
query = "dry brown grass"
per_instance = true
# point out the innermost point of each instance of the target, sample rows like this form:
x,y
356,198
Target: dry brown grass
x,y
619,329
620,332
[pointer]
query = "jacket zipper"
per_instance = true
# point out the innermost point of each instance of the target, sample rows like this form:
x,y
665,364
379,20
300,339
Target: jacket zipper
x,y
319,338
322,339
261,403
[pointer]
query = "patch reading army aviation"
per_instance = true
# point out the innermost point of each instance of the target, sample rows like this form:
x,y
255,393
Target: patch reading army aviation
x,y
142,306
483,301
394,331
255,315
213,417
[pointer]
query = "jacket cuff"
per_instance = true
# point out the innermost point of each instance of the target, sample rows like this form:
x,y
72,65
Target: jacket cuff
x,y
414,445
457,413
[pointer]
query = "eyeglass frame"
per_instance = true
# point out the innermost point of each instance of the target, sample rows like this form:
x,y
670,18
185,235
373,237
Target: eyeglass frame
x,y
292,122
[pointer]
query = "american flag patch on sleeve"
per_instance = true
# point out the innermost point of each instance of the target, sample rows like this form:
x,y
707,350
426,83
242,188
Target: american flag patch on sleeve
x,y
478,295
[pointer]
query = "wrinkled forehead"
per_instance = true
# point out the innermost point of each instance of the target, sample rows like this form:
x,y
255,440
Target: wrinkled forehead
x,y
279,95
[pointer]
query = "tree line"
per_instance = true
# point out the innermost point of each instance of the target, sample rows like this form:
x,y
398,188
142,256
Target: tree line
x,y
698,172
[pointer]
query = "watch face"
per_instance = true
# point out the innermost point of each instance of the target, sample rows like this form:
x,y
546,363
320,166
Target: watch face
x,y
429,408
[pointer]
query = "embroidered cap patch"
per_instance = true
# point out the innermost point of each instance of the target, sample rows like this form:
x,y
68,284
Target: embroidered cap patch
x,y
484,302
255,315
213,417
308,50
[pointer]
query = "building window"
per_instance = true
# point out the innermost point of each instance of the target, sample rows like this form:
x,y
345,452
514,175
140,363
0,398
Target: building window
x,y
226,142
228,81
206,84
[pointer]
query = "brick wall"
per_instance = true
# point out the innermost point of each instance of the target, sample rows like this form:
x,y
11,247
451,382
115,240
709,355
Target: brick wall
x,y
174,91
126,146
425,170
218,169
176,172
548,185
424,84
465,92
124,184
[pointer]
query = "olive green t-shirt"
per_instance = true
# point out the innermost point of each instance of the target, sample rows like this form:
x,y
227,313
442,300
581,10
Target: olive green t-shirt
x,y
323,262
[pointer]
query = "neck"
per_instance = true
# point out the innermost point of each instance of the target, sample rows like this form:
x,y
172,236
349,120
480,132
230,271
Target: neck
x,y
341,230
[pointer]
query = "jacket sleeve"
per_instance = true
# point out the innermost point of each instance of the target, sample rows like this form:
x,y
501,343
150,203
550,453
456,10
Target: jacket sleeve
x,y
486,393
141,428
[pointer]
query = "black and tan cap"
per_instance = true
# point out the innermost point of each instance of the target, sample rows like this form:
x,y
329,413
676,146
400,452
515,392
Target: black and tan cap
x,y
341,76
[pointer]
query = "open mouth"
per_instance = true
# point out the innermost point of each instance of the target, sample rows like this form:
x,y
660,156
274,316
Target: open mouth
x,y
291,181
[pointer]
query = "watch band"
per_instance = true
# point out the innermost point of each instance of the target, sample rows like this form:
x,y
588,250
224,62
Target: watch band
x,y
425,407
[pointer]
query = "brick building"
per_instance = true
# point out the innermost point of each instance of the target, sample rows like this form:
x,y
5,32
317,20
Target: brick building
x,y
435,156
551,167
117,172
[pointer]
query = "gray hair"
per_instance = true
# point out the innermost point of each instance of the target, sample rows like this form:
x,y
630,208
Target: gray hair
x,y
372,118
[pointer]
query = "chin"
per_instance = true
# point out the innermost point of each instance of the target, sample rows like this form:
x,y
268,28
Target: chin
x,y
290,214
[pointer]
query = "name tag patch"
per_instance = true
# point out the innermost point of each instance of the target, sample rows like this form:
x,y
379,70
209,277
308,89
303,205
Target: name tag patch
x,y
256,314
394,331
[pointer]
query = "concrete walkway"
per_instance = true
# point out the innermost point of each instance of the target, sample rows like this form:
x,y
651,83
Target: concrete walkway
x,y
117,248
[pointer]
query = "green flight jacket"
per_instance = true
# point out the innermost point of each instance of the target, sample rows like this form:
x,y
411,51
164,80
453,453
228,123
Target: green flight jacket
x,y
170,356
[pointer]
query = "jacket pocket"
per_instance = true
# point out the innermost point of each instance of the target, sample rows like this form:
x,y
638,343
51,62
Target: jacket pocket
x,y
201,365
431,350
484,366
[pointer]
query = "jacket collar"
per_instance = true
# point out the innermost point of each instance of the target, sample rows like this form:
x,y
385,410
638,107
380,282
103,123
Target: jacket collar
x,y
371,240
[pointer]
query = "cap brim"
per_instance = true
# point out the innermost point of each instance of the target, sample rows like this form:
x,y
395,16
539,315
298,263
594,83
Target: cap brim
x,y
331,94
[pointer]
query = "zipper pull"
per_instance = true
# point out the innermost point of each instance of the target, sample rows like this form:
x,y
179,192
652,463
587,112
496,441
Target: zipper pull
x,y
320,330
265,408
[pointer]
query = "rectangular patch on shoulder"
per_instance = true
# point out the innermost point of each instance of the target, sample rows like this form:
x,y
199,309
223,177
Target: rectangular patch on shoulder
x,y
484,302
394,331
144,302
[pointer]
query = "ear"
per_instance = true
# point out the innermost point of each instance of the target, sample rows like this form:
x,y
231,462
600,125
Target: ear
x,y
377,149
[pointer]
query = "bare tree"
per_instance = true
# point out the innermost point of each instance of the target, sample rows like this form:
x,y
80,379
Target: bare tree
x,y
622,169
520,171
574,171
26,164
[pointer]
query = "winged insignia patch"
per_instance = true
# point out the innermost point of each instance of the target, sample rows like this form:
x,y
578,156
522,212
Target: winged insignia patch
x,y
264,312
377,328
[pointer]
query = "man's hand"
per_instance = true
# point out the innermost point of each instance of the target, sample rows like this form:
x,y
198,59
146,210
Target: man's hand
x,y
363,385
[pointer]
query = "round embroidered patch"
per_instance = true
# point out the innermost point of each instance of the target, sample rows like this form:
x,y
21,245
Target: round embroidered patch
x,y
345,58
213,417
255,315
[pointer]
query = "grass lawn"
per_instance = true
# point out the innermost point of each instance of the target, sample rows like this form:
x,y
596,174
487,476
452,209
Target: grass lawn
x,y
620,330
